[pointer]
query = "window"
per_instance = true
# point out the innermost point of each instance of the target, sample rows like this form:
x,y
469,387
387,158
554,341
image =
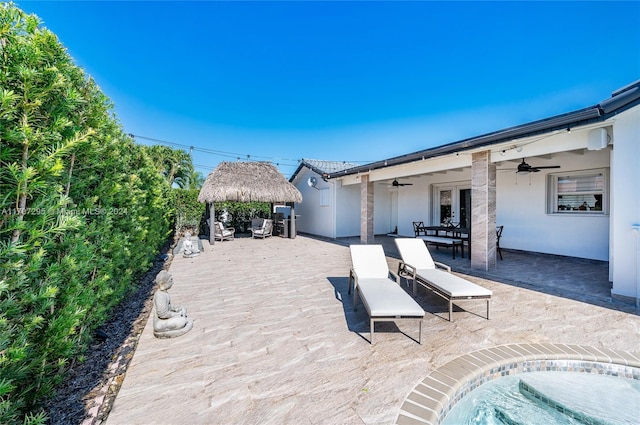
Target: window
x,y
324,197
581,192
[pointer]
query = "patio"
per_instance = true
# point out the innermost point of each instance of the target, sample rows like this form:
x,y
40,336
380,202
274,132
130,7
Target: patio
x,y
276,340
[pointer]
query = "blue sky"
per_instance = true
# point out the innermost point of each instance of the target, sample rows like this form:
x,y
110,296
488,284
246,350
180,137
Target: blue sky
x,y
342,81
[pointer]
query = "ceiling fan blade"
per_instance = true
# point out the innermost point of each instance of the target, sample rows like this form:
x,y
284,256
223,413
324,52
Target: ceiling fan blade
x,y
523,167
396,183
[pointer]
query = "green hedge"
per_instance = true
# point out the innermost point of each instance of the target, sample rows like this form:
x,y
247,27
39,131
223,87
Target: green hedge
x,y
83,212
239,214
189,212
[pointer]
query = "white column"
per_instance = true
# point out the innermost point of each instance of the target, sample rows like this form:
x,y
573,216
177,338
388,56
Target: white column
x,y
624,262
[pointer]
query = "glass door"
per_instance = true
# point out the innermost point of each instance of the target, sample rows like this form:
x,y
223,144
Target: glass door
x,y
465,208
452,205
446,214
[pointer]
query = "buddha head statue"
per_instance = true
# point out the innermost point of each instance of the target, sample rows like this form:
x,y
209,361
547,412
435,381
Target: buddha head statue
x,y
164,280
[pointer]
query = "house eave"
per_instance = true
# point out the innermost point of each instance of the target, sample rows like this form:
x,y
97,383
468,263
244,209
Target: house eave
x,y
561,122
621,100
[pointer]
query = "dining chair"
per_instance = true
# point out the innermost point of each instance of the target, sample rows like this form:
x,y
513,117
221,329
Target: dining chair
x,y
498,235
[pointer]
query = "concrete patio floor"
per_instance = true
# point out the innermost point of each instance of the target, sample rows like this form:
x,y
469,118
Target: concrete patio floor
x,y
276,341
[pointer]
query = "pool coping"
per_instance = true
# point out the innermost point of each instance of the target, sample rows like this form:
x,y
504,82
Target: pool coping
x,y
432,399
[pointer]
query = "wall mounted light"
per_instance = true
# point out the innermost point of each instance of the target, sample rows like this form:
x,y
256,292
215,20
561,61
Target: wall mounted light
x,y
512,148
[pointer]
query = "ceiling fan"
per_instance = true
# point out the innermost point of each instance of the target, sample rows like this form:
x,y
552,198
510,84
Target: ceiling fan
x,y
396,183
523,167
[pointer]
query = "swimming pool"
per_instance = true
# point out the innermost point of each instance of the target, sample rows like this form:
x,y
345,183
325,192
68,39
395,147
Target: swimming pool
x,y
437,395
550,398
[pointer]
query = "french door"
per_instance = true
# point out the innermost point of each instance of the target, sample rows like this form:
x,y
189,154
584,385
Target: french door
x,y
452,205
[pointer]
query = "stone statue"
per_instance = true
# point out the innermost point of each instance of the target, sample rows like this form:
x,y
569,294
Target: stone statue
x,y
187,247
169,321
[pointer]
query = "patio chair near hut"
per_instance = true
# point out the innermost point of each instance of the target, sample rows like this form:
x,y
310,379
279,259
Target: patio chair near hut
x,y
220,233
263,231
418,266
383,298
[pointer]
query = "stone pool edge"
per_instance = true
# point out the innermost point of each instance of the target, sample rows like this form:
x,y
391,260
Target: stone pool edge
x,y
432,399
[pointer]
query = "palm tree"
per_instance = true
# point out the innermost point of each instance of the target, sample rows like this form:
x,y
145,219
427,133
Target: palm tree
x,y
174,164
195,180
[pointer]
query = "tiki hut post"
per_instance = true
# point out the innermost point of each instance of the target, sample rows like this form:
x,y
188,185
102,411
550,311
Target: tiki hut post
x,y
212,218
292,230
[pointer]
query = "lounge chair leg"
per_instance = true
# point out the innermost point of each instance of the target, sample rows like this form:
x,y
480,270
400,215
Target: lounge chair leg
x,y
487,309
450,309
351,278
371,322
420,332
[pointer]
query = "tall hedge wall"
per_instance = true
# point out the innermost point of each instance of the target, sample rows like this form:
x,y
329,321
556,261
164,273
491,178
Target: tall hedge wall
x,y
83,212
189,212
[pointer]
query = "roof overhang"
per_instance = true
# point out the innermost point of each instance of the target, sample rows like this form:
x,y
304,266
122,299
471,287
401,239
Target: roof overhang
x,y
621,100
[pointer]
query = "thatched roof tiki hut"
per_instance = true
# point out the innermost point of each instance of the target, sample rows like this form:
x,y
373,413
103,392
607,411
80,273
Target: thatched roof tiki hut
x,y
248,182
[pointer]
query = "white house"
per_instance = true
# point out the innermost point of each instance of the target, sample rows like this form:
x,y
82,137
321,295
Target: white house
x,y
587,205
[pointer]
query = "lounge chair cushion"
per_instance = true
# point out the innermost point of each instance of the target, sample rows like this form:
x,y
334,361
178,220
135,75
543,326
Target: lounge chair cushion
x,y
413,252
383,297
369,262
418,265
453,285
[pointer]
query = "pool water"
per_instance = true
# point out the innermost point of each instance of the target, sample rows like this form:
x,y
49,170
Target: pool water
x,y
550,398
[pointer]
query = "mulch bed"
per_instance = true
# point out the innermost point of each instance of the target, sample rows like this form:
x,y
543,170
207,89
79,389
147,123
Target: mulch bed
x,y
87,394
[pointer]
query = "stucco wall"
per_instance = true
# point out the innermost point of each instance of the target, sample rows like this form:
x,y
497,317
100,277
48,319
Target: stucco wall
x,y
347,211
314,218
382,209
340,217
521,207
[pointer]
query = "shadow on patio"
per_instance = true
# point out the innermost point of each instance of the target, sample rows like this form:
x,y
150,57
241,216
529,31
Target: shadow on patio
x,y
568,277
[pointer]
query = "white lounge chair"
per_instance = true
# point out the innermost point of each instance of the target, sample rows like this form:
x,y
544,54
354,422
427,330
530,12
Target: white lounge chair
x,y
418,266
384,299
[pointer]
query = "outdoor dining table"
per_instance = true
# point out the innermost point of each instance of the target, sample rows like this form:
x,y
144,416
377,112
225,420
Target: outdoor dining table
x,y
463,233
